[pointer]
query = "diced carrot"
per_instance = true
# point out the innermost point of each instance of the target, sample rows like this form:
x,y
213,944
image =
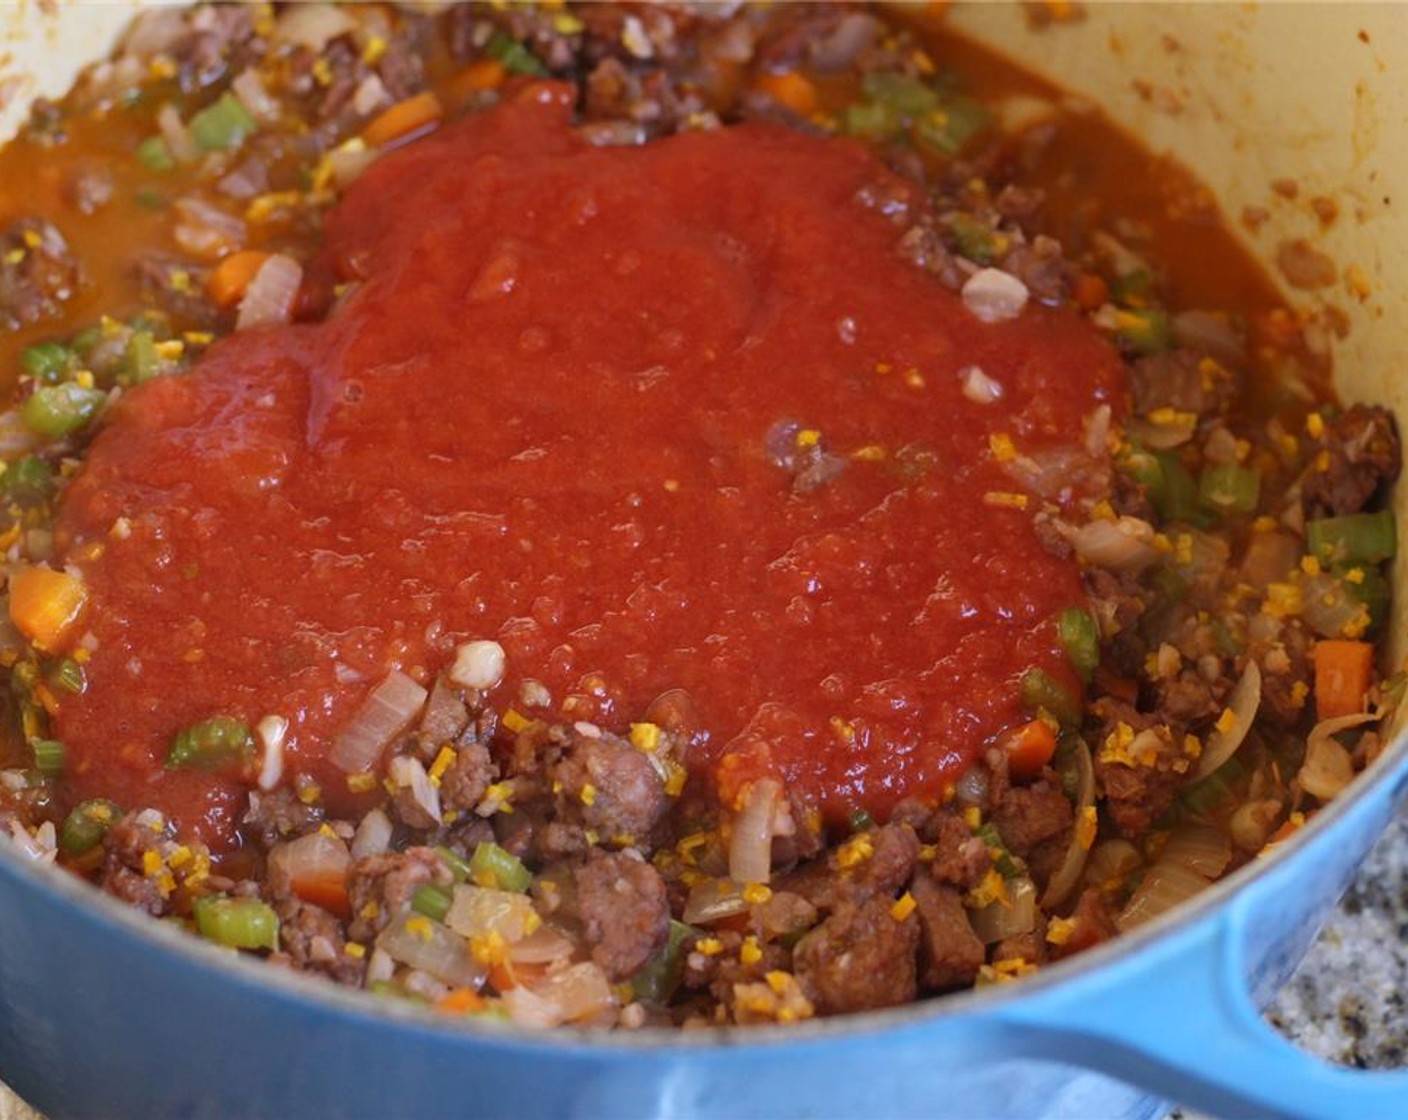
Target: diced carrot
x,y
505,974
1029,748
1090,291
791,89
460,1001
1343,671
328,891
487,73
46,606
231,277
414,114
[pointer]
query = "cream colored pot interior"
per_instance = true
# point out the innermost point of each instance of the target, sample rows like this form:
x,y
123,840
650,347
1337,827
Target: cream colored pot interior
x,y
1246,94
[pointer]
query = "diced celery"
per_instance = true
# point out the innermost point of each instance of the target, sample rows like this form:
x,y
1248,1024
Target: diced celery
x,y
48,756
515,57
54,411
210,744
1229,488
86,825
46,362
240,923
222,126
492,866
1042,691
431,901
1080,637
657,981
1145,331
1355,538
30,479
155,155
908,96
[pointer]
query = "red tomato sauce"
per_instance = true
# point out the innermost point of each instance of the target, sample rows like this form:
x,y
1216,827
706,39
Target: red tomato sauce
x,y
542,416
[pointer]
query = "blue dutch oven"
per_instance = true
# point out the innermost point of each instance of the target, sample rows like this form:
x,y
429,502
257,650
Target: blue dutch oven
x,y
109,1014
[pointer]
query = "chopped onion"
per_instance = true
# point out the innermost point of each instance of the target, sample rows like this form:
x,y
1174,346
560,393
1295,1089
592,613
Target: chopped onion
x,y
480,911
1000,920
249,88
1065,878
573,994
994,296
1110,862
271,731
1163,887
418,941
1269,557
972,788
1252,823
348,161
750,842
373,835
478,665
543,946
978,387
384,714
310,861
1163,436
270,297
16,437
409,773
312,25
1212,333
847,41
205,230
712,901
1328,767
1123,545
1243,704
370,95
1329,606
1201,848
177,136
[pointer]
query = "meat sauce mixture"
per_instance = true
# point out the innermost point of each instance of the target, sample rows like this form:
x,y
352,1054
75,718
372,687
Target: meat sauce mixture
x,y
663,514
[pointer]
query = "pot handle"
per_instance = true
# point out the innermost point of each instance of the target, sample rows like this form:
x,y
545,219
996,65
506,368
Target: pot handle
x,y
1177,1018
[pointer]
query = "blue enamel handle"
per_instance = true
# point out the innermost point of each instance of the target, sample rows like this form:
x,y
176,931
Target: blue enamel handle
x,y
1178,1017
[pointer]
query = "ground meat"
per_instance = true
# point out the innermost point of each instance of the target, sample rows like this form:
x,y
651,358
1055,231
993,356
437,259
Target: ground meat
x,y
462,786
950,953
38,273
1360,453
1028,816
177,287
381,886
960,858
1182,380
859,958
1285,665
607,786
89,189
126,845
312,940
445,719
278,815
1137,794
624,911
1188,698
1029,946
827,885
1116,597
615,92
1042,267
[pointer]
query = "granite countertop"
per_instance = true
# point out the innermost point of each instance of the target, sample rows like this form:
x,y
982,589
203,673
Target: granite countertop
x,y
1348,1001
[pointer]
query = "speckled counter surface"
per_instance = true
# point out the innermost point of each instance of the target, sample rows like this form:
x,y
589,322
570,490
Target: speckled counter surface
x,y
1348,1002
